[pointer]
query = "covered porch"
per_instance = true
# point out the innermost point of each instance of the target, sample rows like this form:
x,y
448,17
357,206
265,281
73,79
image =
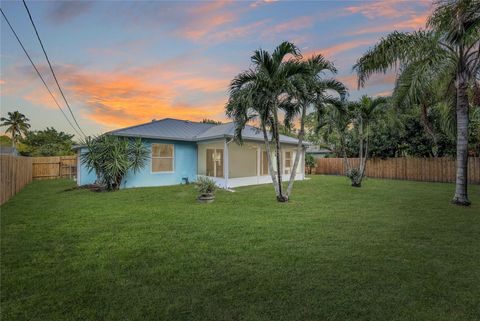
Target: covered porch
x,y
232,165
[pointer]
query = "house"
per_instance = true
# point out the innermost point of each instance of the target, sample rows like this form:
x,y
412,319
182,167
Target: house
x,y
318,152
182,150
7,150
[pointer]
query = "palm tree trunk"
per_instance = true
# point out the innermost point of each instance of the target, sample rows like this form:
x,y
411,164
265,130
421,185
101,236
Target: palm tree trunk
x,y
346,163
301,134
276,135
269,159
461,196
428,128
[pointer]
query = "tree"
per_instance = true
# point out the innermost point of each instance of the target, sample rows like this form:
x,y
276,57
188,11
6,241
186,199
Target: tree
x,y
333,123
48,142
5,141
309,90
211,121
449,49
364,113
259,92
17,125
111,158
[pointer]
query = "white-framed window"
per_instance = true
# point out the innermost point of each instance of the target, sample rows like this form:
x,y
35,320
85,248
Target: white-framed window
x,y
163,158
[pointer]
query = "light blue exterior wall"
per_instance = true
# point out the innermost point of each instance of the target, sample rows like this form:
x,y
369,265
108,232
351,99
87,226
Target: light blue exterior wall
x,y
83,176
185,165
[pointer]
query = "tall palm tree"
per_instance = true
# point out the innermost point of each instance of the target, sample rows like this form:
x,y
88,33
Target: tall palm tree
x,y
449,49
17,125
309,90
265,85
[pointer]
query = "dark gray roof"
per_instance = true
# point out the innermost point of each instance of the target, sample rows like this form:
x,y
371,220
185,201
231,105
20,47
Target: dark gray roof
x,y
167,128
176,129
318,150
7,150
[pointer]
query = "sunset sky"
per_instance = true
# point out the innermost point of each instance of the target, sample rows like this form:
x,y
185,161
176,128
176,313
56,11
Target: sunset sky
x,y
124,63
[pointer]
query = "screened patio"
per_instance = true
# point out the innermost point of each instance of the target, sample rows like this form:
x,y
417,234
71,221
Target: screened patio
x,y
231,165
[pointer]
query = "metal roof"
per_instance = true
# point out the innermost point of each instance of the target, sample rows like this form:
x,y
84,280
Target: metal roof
x,y
168,128
185,130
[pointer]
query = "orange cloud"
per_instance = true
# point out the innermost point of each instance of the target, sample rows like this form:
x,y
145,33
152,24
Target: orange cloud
x,y
293,25
413,23
117,99
387,8
236,32
336,49
205,18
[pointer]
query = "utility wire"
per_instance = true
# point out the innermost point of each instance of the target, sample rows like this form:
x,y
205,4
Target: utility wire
x,y
51,68
38,72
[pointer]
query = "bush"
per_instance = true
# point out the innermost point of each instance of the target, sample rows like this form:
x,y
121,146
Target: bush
x,y
111,157
310,160
206,185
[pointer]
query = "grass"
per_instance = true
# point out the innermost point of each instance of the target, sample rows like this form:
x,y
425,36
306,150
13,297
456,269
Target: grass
x,y
391,250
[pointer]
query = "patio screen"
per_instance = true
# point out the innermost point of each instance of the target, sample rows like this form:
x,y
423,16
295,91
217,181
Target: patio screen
x,y
215,162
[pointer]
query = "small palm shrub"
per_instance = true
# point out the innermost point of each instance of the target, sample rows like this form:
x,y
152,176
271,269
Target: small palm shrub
x,y
205,185
355,176
111,157
310,162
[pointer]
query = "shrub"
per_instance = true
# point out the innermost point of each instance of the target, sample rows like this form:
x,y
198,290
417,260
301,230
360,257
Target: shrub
x,y
111,157
206,185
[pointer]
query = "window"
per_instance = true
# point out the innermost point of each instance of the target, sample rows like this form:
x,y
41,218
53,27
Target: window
x,y
162,158
215,162
288,162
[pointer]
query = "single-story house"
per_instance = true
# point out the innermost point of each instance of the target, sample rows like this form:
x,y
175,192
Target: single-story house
x,y
318,152
182,150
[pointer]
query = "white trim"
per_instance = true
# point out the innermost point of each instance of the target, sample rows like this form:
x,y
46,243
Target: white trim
x,y
79,167
225,162
160,157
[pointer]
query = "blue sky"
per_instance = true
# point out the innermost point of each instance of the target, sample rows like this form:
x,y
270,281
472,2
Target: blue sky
x,y
123,63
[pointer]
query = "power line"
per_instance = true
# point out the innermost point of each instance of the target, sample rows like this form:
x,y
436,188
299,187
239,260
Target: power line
x,y
51,68
38,72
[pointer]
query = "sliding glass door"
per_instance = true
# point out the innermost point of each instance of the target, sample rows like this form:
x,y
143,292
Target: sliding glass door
x,y
214,162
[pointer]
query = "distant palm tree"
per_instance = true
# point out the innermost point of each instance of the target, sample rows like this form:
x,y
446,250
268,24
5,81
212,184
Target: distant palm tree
x,y
449,49
364,113
310,90
17,125
259,93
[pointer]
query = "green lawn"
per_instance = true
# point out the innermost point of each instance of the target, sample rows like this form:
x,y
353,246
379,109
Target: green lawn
x,y
391,250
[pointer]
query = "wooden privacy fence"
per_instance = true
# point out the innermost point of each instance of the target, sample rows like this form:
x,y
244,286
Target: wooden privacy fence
x,y
414,169
54,167
15,173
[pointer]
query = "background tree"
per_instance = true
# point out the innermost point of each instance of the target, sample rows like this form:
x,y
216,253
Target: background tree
x,y
112,157
449,49
17,125
211,121
48,142
5,141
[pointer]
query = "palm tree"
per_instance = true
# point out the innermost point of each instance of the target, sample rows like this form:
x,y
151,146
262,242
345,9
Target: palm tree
x,y
364,113
17,125
259,93
309,90
449,49
333,122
